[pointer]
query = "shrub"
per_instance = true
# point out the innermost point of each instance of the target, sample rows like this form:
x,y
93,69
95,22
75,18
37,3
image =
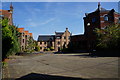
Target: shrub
x,y
51,48
37,48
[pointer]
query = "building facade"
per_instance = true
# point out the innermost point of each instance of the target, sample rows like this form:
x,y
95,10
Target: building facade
x,y
100,18
78,43
24,38
45,41
58,41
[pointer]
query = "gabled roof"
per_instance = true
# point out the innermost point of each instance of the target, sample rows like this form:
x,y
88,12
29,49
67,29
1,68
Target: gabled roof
x,y
46,37
26,32
30,34
5,13
20,30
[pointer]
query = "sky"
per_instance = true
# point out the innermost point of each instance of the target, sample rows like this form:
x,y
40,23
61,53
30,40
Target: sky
x,y
44,18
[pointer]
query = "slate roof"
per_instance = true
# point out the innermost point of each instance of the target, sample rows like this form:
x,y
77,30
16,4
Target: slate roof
x,y
102,9
78,37
49,37
59,33
46,37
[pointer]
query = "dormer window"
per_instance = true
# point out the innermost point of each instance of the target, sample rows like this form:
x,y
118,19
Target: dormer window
x,y
58,37
106,17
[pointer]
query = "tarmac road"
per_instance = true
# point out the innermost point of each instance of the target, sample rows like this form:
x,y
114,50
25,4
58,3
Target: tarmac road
x,y
62,65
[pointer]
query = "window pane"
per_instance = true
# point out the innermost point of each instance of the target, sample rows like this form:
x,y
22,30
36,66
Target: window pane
x,y
58,43
106,18
40,42
93,19
64,37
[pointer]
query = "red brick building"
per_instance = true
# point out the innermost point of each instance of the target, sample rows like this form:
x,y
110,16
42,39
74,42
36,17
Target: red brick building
x,y
7,14
100,18
25,35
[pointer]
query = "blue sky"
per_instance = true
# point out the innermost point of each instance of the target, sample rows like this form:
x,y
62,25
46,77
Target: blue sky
x,y
48,17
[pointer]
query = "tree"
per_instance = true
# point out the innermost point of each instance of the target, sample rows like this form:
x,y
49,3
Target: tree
x,y
109,37
10,43
31,45
37,48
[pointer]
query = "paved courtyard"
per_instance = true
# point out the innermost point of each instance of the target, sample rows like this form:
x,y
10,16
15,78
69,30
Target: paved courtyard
x,y
62,65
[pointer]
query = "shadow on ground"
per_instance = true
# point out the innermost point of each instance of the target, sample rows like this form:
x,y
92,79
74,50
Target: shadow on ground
x,y
35,76
93,54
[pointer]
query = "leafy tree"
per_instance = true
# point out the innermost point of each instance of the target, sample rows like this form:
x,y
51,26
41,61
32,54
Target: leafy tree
x,y
109,38
10,43
37,48
16,45
31,45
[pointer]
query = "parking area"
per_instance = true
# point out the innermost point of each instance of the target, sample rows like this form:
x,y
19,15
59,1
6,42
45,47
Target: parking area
x,y
67,65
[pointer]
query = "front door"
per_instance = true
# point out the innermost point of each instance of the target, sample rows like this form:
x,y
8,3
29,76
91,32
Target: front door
x,y
58,49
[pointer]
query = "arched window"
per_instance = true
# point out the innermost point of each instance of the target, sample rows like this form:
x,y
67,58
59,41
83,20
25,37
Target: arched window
x,y
106,17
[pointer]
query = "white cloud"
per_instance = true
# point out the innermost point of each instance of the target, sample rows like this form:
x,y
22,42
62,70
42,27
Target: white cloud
x,y
48,21
32,23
